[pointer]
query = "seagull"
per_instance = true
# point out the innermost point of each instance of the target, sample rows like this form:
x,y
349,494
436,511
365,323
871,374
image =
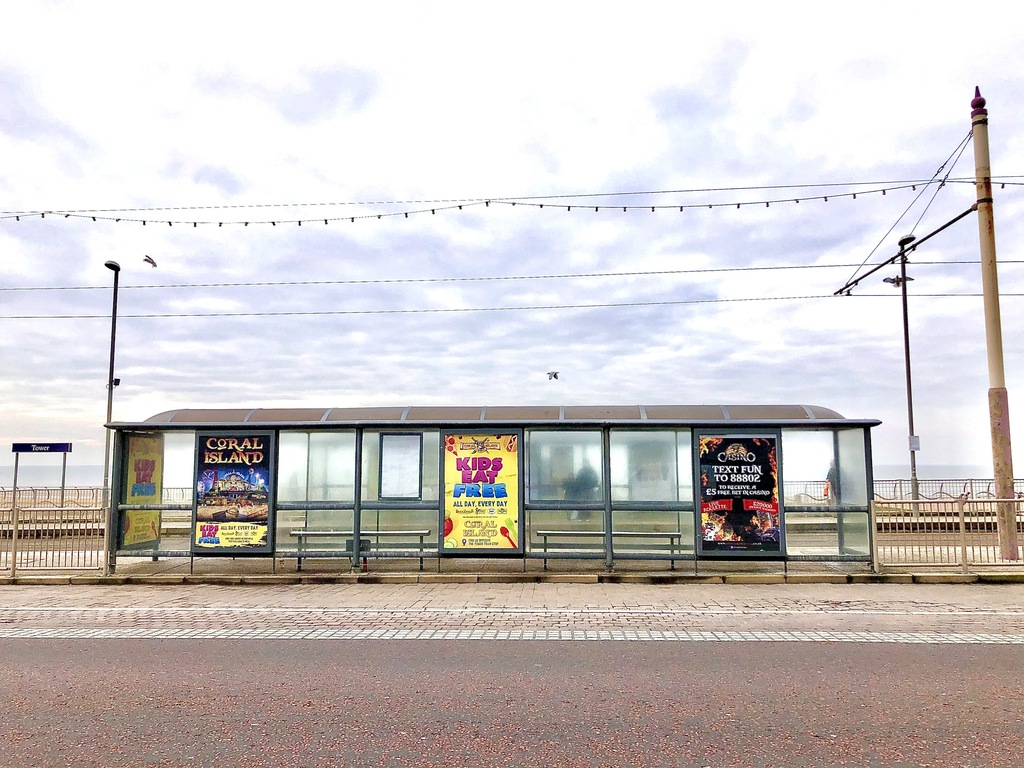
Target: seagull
x,y
149,260
552,375
896,281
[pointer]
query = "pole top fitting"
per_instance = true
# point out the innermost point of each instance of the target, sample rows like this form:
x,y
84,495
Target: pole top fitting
x,y
113,265
978,103
906,240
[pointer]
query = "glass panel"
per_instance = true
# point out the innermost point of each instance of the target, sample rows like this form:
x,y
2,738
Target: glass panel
x,y
332,466
332,529
565,531
852,487
825,467
316,466
292,466
854,537
827,533
807,456
644,467
684,464
652,531
400,530
400,466
564,466
369,489
179,466
431,466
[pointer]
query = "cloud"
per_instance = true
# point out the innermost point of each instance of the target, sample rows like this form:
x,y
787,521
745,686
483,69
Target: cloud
x,y
307,97
221,178
240,119
25,118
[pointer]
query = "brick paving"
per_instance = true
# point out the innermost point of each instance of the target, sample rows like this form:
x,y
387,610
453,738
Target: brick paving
x,y
933,613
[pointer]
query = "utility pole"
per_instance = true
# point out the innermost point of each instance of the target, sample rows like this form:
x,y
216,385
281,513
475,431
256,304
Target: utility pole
x,y
998,403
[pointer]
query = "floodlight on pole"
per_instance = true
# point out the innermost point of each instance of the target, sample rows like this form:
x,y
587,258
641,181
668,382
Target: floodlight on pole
x,y
913,441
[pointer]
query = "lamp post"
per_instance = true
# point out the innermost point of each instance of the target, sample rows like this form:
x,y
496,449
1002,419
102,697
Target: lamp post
x,y
914,442
111,383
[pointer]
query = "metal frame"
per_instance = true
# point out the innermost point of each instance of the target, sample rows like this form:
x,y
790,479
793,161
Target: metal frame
x,y
406,423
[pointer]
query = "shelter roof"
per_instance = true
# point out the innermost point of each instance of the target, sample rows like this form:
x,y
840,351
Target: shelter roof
x,y
518,414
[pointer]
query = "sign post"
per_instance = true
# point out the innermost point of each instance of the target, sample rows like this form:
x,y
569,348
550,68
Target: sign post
x,y
19,448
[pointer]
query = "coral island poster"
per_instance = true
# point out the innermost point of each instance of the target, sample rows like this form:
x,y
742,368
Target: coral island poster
x,y
481,494
739,495
232,514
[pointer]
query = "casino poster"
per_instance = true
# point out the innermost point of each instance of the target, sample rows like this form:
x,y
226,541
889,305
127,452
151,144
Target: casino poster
x,y
144,487
739,495
232,513
482,511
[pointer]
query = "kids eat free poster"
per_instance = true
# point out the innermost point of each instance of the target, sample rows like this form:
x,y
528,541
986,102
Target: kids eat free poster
x,y
481,493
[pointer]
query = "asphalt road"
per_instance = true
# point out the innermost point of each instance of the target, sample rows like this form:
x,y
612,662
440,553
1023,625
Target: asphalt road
x,y
175,677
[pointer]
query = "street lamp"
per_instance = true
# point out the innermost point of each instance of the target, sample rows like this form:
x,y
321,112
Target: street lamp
x,y
111,383
901,282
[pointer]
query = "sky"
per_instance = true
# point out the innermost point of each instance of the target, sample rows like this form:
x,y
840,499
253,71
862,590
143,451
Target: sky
x,y
670,241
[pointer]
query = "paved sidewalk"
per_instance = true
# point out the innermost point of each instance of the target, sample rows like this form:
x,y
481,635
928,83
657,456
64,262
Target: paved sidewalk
x,y
528,611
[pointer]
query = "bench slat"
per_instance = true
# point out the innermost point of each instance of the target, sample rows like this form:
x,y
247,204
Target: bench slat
x,y
318,532
652,534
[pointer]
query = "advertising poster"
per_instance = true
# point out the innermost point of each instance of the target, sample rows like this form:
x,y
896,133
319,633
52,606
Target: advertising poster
x,y
141,527
232,503
481,494
739,495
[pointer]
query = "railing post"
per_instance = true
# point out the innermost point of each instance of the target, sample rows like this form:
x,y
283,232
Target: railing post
x,y
14,536
874,536
961,502
14,518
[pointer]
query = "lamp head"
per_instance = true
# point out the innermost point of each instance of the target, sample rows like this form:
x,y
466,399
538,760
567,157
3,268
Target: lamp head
x,y
113,266
906,240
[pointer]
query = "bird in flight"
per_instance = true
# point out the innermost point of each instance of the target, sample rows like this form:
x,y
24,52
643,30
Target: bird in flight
x,y
552,375
149,260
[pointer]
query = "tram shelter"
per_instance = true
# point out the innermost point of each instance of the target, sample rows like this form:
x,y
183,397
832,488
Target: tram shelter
x,y
621,482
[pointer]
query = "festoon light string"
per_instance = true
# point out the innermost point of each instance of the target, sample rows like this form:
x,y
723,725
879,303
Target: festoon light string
x,y
569,203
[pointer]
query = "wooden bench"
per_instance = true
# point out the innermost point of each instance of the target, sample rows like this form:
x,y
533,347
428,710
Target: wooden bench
x,y
674,539
303,535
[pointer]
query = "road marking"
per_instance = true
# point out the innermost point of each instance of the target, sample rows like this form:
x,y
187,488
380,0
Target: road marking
x,y
615,635
715,611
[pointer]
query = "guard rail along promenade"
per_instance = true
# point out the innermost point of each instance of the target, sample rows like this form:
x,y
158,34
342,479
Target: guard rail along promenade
x,y
949,529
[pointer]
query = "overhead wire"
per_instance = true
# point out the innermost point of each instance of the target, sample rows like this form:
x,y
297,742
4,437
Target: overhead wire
x,y
461,310
931,182
473,279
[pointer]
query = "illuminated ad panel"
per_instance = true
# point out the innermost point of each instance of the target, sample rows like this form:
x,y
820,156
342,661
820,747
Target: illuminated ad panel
x,y
482,509
233,513
141,527
739,495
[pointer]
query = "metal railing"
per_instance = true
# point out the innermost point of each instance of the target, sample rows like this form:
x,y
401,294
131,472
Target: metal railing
x,y
55,529
52,537
893,490
960,533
